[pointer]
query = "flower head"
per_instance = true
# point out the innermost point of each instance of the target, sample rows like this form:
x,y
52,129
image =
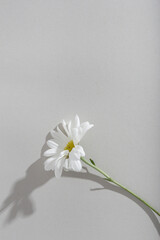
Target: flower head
x,y
65,151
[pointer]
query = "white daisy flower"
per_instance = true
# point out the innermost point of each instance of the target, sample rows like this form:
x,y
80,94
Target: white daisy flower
x,y
65,151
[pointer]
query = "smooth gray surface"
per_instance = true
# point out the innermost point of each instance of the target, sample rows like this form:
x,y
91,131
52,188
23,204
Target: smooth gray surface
x,y
99,59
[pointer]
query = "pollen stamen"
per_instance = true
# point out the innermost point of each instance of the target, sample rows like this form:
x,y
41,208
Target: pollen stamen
x,y
69,146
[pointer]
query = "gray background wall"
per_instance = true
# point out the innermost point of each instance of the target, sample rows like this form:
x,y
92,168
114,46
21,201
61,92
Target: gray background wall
x,y
99,59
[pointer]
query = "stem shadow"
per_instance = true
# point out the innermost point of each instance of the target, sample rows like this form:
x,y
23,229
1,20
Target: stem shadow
x,y
111,187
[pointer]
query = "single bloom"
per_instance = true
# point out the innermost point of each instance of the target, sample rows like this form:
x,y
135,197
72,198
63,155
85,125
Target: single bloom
x,y
64,149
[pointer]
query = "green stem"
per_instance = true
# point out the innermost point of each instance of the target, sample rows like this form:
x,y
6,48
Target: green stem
x,y
108,178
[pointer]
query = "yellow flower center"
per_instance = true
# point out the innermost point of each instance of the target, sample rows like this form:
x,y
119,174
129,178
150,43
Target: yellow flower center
x,y
69,146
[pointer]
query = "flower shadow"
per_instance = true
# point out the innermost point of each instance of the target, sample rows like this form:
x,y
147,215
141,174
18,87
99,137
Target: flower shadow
x,y
20,202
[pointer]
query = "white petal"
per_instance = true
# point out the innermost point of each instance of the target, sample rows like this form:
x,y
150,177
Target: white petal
x,y
84,127
66,163
76,153
80,150
65,127
75,135
60,163
76,165
76,122
62,135
50,152
74,158
59,167
52,144
58,139
52,132
73,155
69,128
49,164
63,153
